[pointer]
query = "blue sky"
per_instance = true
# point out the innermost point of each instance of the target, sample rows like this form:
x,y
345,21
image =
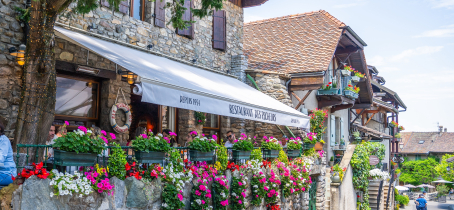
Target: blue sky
x,y
410,42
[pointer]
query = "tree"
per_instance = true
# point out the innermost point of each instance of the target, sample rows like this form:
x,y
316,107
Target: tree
x,y
419,171
441,168
37,104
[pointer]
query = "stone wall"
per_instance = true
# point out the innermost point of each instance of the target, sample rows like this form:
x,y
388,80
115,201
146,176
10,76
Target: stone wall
x,y
11,35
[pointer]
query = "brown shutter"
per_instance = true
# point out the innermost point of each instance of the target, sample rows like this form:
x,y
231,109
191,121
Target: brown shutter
x,y
160,14
105,3
124,7
219,30
188,32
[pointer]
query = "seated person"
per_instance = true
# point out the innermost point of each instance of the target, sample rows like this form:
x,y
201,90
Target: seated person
x,y
7,165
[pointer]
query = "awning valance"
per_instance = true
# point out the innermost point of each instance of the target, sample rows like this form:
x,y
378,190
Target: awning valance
x,y
170,83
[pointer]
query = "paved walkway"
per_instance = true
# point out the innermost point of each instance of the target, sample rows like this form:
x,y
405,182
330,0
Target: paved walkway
x,y
431,205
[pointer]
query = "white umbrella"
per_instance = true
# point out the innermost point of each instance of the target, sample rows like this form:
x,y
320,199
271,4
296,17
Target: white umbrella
x,y
401,188
409,186
425,185
442,181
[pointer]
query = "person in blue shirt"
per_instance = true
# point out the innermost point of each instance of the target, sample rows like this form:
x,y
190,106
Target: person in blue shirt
x,y
7,165
421,203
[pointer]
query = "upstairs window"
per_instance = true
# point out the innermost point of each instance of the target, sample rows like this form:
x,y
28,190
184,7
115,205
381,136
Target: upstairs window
x,y
137,9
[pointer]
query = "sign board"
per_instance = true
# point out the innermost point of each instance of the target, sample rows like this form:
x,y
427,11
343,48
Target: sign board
x,y
373,160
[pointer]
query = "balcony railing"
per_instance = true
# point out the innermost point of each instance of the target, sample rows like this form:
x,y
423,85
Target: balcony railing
x,y
338,85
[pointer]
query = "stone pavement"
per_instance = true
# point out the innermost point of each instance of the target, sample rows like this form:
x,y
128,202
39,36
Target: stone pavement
x,y
431,205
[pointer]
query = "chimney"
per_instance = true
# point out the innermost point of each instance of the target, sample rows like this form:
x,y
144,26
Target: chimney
x,y
446,130
440,129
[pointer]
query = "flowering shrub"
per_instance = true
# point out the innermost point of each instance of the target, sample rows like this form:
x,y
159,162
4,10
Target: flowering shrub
x,y
352,88
243,144
258,182
131,170
286,179
349,68
203,144
394,123
80,141
282,157
401,128
272,189
221,197
311,138
329,86
256,154
200,192
238,194
200,118
153,172
378,174
175,177
67,184
222,158
271,144
359,74
151,142
317,122
37,170
99,179
295,144
273,206
300,179
117,162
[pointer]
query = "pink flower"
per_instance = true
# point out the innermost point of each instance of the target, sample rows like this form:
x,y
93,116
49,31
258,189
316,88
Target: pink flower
x,y
82,128
240,183
235,141
225,203
215,137
66,123
243,194
103,132
104,138
202,187
208,195
180,197
167,139
256,196
144,135
112,136
239,201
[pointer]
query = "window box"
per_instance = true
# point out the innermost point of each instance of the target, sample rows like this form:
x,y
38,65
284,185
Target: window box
x,y
318,146
63,158
201,156
149,157
350,94
308,146
345,73
329,92
241,155
355,79
398,139
293,153
270,153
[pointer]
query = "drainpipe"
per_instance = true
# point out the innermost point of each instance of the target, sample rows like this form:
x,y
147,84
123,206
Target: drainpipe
x,y
256,86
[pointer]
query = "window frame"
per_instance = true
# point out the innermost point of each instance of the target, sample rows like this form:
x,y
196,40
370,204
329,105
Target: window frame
x,y
131,10
218,129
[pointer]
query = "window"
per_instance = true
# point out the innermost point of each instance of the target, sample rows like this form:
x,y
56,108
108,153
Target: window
x,y
338,130
169,116
418,157
77,101
212,125
219,30
137,9
421,142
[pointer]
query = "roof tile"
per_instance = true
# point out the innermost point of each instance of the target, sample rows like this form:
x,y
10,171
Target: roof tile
x,y
434,142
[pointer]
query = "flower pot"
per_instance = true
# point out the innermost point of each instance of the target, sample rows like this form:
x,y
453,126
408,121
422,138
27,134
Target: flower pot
x,y
293,153
64,158
332,91
345,73
355,79
150,157
270,153
241,155
308,146
196,155
398,139
318,146
331,163
350,94
335,178
341,146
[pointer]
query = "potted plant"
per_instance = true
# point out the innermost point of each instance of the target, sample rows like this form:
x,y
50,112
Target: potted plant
x,y
342,144
337,173
329,89
358,76
401,128
378,175
398,137
271,147
242,148
331,161
347,71
310,140
78,148
150,148
202,149
319,145
294,147
357,136
351,91
394,124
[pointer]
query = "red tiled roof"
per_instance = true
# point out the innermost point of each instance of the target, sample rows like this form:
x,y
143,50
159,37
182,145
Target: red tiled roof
x,y
434,142
292,44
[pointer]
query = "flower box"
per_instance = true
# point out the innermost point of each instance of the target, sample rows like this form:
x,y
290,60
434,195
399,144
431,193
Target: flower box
x,y
201,156
149,157
318,146
345,73
241,155
293,153
332,91
398,139
308,146
270,153
350,94
64,158
356,79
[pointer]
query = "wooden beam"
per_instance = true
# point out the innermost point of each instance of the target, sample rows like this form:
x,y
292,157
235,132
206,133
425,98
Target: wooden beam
x,y
347,50
340,107
301,101
360,113
370,118
361,106
371,111
314,80
304,87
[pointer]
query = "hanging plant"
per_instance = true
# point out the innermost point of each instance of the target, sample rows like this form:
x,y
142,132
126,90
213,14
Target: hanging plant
x,y
200,118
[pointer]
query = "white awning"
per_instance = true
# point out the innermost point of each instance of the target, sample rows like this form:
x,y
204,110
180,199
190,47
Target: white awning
x,y
170,83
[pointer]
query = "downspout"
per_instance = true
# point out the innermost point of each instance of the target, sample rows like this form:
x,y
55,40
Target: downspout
x,y
257,87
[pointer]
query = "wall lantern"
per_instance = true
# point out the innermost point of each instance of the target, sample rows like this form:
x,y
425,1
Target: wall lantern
x,y
401,146
127,76
448,168
19,54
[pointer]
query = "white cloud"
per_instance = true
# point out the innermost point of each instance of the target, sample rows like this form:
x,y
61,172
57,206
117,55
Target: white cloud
x,y
443,3
376,61
250,18
345,5
425,50
446,31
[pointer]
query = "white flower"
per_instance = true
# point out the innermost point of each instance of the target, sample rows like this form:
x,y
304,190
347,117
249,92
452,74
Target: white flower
x,y
287,184
198,201
51,194
80,195
165,205
255,186
234,194
274,185
89,131
160,134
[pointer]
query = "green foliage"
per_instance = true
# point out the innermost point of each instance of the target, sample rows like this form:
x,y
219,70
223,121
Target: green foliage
x,y
442,190
402,199
419,171
238,187
317,120
441,168
117,162
203,144
80,142
24,14
332,158
243,145
271,144
199,118
361,167
222,157
85,6
150,142
309,152
256,154
177,11
282,157
295,144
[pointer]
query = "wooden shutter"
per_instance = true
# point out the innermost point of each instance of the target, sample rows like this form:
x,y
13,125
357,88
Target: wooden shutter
x,y
342,136
105,3
332,128
124,7
188,32
219,30
160,14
